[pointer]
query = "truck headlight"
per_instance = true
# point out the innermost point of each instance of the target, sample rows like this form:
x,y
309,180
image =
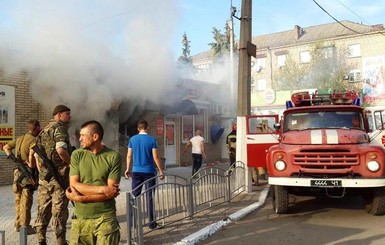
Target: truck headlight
x,y
373,166
280,165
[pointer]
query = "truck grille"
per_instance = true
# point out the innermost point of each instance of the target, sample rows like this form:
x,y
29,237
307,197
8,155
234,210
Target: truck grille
x,y
328,161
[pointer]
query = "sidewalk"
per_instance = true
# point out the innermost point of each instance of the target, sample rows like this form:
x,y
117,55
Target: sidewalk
x,y
187,231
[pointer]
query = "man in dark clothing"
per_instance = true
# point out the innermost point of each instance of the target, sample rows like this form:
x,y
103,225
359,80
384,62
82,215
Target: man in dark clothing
x,y
231,144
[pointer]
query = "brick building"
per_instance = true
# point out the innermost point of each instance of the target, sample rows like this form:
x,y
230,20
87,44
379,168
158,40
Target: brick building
x,y
194,108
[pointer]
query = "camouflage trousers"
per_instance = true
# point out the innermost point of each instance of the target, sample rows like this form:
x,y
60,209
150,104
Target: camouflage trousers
x,y
98,231
23,204
255,172
52,203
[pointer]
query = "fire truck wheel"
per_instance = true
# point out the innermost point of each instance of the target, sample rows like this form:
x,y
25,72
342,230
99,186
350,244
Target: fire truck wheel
x,y
374,201
280,199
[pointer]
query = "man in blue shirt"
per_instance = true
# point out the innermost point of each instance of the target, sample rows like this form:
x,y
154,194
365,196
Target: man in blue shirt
x,y
142,153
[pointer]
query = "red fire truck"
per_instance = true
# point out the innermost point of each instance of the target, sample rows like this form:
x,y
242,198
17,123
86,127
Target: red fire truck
x,y
324,148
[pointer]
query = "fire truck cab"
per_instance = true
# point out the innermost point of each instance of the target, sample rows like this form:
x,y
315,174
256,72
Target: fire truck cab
x,y
324,148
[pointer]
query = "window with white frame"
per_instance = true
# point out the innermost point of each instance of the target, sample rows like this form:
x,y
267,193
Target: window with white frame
x,y
191,123
354,50
261,63
328,52
261,84
304,57
281,60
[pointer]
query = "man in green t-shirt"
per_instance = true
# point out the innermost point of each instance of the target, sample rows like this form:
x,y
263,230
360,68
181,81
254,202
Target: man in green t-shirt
x,y
94,183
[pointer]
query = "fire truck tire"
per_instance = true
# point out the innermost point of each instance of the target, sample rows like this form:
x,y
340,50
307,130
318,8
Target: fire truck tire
x,y
280,199
374,201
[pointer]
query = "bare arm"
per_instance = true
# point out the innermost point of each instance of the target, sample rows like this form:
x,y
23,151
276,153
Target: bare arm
x,y
203,148
32,160
127,173
64,155
7,149
110,190
186,147
155,155
74,195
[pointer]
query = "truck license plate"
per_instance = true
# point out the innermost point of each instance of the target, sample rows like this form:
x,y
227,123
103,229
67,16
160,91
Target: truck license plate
x,y
325,183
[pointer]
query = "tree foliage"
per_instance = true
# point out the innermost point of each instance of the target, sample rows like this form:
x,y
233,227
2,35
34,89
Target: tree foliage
x,y
221,44
185,57
326,70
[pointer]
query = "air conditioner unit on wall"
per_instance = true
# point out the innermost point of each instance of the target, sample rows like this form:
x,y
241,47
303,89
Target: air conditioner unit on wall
x,y
355,76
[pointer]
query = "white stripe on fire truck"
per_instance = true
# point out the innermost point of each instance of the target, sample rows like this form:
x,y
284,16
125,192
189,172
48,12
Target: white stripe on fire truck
x,y
316,137
331,136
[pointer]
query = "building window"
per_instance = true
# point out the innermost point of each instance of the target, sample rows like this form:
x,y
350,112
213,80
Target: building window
x,y
261,85
191,123
281,60
304,57
328,52
261,63
354,50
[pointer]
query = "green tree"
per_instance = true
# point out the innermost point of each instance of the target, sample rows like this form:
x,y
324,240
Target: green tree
x,y
326,70
185,57
221,44
290,76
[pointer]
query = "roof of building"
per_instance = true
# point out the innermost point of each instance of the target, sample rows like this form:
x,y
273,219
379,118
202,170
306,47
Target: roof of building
x,y
299,35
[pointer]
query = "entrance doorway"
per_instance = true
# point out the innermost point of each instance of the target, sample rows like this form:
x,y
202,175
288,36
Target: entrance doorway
x,y
170,142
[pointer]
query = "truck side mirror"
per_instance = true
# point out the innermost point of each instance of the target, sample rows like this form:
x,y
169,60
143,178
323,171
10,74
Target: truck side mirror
x,y
277,126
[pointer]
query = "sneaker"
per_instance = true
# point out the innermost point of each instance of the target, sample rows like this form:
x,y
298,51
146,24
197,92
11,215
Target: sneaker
x,y
30,230
155,226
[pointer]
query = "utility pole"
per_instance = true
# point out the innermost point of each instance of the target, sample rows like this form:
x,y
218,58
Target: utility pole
x,y
244,70
246,50
232,89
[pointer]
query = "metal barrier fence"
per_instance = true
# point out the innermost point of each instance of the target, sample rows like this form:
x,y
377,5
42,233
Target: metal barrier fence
x,y
176,198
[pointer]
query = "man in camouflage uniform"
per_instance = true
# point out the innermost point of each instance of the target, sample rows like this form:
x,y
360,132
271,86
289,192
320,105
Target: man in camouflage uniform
x,y
52,201
22,187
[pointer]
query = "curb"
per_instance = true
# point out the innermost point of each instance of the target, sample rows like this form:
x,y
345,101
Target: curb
x,y
211,229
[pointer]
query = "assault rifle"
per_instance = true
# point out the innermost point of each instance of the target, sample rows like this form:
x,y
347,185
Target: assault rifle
x,y
50,166
25,173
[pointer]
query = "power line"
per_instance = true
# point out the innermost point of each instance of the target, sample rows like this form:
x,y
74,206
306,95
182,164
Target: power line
x,y
353,12
362,33
336,19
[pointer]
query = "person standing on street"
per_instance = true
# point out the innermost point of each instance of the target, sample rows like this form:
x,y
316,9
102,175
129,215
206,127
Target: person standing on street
x,y
197,144
54,142
22,186
142,153
231,140
94,183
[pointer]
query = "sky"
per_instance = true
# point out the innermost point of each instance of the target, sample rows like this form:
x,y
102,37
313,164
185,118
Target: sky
x,y
198,17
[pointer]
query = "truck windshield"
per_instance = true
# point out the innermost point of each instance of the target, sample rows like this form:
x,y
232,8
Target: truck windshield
x,y
323,119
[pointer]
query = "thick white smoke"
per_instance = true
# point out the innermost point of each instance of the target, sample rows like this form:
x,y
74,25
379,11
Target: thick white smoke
x,y
91,54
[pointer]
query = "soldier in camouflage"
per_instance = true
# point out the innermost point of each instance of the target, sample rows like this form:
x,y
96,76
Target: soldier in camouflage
x,y
52,201
21,186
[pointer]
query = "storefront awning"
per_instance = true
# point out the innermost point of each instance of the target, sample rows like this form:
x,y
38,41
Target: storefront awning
x,y
184,107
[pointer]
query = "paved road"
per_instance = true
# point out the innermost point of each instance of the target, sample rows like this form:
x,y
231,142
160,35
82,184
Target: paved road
x,y
310,221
